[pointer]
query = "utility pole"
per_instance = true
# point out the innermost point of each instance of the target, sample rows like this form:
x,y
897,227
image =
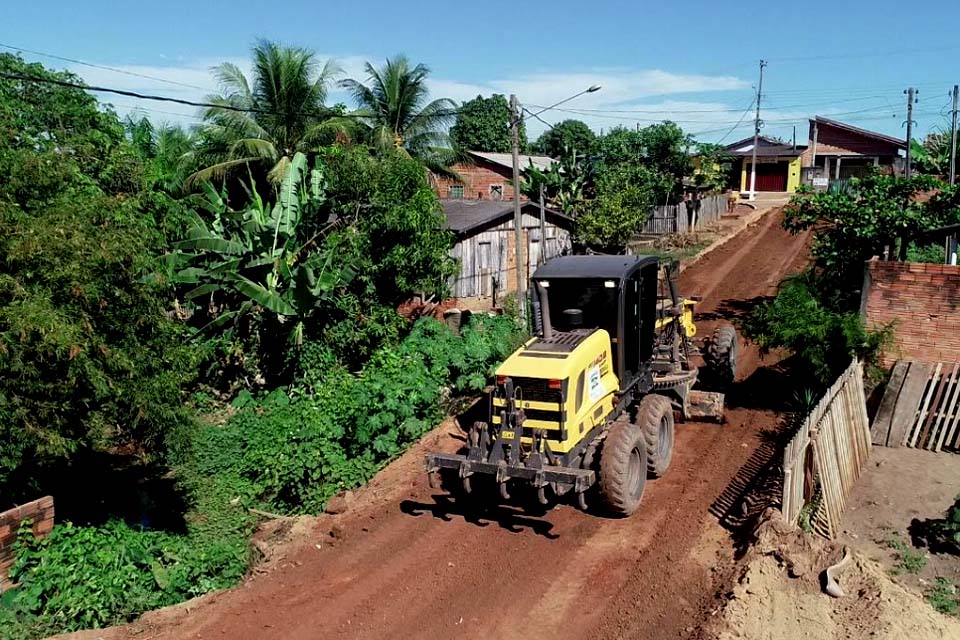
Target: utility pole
x,y
756,136
911,98
543,229
951,257
517,217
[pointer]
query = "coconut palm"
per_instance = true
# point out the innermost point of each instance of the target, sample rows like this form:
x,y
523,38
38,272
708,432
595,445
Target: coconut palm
x,y
269,118
393,106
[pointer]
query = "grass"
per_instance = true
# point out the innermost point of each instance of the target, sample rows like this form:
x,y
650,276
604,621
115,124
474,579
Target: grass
x,y
908,560
944,597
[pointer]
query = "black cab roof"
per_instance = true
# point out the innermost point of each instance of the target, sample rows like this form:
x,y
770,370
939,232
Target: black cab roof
x,y
619,267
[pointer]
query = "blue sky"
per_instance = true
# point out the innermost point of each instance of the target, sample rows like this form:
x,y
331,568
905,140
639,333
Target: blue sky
x,y
692,62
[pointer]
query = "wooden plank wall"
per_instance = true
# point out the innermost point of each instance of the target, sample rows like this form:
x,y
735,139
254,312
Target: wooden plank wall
x,y
920,407
674,218
837,433
487,258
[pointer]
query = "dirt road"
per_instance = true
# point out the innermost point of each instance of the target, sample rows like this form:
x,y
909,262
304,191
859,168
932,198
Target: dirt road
x,y
407,562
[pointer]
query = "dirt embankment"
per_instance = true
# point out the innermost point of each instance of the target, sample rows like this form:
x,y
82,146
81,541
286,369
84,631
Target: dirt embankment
x,y
406,561
779,596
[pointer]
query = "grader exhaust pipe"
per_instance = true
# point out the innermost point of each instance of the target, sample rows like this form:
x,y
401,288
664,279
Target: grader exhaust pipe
x,y
545,324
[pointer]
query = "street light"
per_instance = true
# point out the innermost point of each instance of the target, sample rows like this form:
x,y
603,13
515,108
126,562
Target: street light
x,y
515,120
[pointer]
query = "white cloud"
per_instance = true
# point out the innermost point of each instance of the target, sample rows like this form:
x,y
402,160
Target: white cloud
x,y
623,90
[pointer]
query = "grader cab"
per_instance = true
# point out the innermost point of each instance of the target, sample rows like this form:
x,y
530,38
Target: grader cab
x,y
588,404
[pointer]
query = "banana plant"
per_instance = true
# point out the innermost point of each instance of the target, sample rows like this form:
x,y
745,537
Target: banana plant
x,y
257,258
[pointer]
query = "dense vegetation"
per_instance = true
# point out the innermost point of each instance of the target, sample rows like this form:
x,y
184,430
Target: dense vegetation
x,y
483,124
609,184
816,316
213,312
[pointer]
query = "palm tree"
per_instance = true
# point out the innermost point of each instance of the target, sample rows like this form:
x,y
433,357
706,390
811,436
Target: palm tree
x,y
393,105
267,121
164,150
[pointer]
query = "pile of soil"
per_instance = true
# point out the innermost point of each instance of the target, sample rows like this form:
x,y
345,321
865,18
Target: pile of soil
x,y
779,596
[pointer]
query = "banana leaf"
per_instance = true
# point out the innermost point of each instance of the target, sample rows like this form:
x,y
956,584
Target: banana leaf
x,y
271,300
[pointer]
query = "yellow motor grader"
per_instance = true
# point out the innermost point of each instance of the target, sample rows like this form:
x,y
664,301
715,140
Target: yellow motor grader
x,y
588,404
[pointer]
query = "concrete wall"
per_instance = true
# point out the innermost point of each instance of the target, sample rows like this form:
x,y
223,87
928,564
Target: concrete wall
x,y
924,302
40,512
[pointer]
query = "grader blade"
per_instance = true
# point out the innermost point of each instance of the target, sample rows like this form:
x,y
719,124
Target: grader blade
x,y
705,405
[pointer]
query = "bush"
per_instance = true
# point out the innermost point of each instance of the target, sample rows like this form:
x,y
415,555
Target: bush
x,y
824,340
291,451
92,577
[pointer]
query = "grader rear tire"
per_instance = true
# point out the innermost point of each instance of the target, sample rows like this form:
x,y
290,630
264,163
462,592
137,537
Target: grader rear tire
x,y
655,420
623,463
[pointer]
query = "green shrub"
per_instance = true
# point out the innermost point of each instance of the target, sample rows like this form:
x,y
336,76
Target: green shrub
x,y
92,577
823,339
291,451
944,597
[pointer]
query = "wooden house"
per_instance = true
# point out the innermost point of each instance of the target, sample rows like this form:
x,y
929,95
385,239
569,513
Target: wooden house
x,y
486,247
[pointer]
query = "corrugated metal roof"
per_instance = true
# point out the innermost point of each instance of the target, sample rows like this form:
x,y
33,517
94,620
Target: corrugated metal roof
x,y
506,160
766,147
464,216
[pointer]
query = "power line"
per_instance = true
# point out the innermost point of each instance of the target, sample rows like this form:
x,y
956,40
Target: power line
x,y
190,103
733,128
103,67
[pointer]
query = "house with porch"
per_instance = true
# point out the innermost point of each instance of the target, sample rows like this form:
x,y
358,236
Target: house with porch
x,y
484,176
838,151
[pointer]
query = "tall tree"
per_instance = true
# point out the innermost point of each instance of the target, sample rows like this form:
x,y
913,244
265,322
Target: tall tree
x,y
572,135
268,118
395,109
165,151
483,124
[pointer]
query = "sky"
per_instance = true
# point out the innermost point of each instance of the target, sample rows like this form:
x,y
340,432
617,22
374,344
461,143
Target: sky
x,y
693,62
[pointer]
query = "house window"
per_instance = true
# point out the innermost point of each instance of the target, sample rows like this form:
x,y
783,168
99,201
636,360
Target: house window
x,y
496,192
455,192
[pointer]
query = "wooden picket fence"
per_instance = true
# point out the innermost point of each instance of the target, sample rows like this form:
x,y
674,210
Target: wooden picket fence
x,y
676,218
920,407
827,455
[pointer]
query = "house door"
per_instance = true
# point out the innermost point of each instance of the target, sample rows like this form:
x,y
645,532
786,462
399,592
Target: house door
x,y
771,176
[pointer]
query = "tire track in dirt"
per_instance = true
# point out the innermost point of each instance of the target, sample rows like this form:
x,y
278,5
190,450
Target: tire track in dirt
x,y
409,562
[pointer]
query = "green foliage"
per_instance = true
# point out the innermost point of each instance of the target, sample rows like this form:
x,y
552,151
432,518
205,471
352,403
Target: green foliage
x,y
284,113
93,577
714,165
932,253
856,224
396,114
88,357
291,452
624,197
823,339
569,136
483,124
911,561
944,597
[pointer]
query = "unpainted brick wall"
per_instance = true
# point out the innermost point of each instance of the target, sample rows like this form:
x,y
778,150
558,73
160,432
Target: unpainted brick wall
x,y
39,512
477,180
923,300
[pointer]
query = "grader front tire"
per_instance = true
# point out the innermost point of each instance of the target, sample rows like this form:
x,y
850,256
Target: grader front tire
x,y
623,465
655,420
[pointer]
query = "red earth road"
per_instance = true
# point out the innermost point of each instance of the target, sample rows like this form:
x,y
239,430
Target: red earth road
x,y
408,562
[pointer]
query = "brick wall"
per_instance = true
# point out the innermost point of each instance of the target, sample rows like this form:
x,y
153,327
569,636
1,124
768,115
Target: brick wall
x,y
40,512
924,302
477,179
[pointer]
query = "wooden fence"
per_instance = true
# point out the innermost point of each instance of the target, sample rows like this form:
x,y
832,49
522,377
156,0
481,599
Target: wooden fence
x,y
920,407
677,218
827,455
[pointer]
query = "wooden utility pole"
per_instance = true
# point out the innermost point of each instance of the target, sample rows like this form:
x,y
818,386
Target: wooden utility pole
x,y
517,216
543,229
911,93
756,136
951,257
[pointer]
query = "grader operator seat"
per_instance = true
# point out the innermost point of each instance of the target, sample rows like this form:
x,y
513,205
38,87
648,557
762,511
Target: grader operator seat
x,y
614,293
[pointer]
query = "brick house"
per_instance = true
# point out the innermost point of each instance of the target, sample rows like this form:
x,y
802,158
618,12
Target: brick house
x,y
838,151
484,176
